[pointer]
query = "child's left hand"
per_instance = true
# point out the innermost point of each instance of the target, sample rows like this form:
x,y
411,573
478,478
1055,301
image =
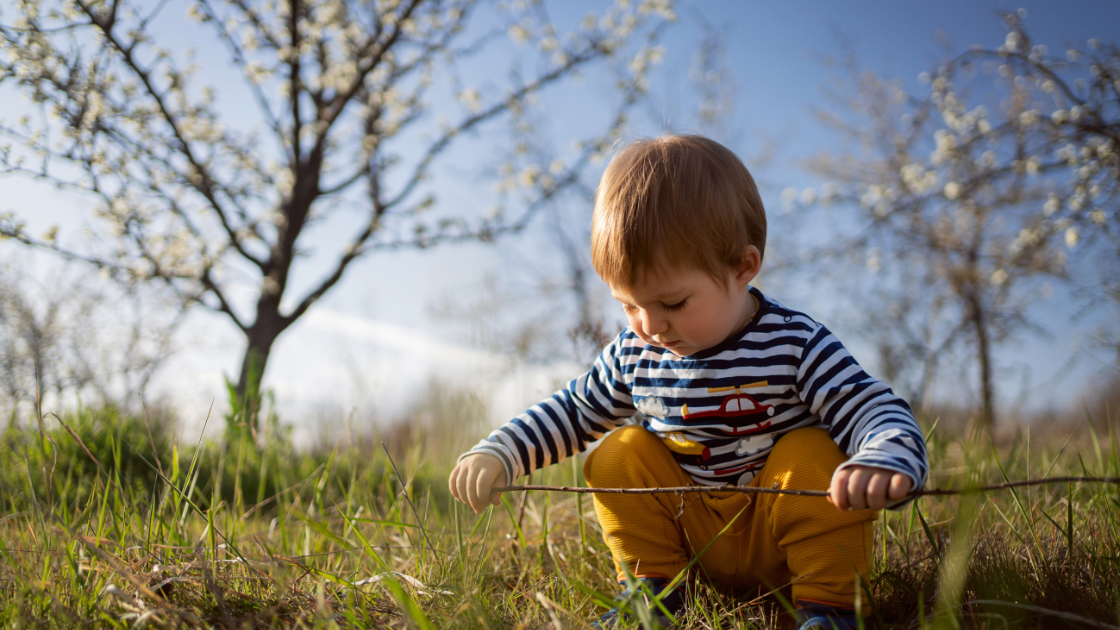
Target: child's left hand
x,y
867,488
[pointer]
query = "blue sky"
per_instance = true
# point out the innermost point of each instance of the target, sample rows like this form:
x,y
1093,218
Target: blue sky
x,y
774,52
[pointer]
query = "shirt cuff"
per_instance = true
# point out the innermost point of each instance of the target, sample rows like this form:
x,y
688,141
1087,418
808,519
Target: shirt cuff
x,y
496,451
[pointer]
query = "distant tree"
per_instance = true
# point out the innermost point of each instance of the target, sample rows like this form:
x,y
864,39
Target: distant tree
x,y
959,203
72,338
1079,112
341,93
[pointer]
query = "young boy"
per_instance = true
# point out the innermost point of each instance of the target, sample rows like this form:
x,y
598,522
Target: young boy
x,y
732,389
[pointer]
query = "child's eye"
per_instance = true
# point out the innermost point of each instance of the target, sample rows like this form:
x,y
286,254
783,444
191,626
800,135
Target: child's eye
x,y
675,307
629,308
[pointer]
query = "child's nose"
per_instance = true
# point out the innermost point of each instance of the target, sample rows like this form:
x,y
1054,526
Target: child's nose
x,y
653,324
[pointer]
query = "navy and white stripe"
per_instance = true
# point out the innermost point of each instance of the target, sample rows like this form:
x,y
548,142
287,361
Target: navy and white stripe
x,y
810,381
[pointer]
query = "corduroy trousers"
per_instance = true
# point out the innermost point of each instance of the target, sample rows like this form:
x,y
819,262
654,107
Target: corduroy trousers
x,y
775,539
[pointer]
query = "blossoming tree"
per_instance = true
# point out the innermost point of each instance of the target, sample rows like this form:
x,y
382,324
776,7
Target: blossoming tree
x,y
964,201
341,93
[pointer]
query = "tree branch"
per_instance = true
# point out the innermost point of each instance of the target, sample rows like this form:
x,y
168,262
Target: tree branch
x,y
205,183
469,123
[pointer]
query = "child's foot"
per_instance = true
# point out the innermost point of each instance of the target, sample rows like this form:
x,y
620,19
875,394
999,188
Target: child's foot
x,y
673,602
815,616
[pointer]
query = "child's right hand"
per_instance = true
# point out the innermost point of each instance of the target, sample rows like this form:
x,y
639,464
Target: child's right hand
x,y
473,478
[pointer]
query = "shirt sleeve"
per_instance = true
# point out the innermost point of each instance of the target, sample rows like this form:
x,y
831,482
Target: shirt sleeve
x,y
869,422
589,407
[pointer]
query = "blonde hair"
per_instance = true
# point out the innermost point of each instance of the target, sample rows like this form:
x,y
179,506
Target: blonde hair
x,y
673,201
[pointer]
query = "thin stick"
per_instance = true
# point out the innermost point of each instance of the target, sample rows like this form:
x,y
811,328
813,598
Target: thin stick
x,y
108,478
807,493
404,490
282,492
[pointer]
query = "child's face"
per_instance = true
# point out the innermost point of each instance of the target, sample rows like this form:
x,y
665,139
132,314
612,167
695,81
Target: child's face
x,y
685,310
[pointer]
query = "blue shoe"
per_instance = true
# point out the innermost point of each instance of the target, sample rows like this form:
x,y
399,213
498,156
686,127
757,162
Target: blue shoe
x,y
673,602
814,616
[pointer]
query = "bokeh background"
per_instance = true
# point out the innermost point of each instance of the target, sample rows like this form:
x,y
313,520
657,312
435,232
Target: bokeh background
x,y
508,319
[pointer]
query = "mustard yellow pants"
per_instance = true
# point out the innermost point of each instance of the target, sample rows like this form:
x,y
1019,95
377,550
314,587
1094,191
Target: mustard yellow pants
x,y
776,540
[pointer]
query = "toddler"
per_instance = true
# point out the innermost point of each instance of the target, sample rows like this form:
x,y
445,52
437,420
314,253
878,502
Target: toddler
x,y
731,387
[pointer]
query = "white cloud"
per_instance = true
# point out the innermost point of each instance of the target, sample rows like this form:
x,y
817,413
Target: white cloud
x,y
330,363
654,407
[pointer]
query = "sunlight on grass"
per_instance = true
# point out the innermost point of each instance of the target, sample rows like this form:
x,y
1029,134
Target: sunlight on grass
x,y
242,534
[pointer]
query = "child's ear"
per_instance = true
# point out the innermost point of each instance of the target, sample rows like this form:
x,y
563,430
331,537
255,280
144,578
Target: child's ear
x,y
749,266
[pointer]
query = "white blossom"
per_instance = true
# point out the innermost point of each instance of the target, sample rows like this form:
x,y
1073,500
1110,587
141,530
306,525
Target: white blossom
x,y
873,262
1011,42
470,99
518,33
789,199
1052,204
1071,237
528,175
828,193
1028,117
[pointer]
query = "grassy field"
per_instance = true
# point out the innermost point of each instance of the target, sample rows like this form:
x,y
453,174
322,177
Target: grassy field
x,y
236,533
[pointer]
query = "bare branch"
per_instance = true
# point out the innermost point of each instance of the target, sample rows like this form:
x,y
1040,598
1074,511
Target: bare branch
x,y
470,122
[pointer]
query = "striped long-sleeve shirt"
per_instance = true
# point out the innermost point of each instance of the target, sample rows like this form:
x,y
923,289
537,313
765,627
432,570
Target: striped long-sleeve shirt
x,y
721,410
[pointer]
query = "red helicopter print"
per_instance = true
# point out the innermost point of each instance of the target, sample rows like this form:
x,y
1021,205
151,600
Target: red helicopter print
x,y
736,405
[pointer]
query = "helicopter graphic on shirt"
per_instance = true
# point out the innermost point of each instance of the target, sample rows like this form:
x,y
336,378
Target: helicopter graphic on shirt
x,y
735,406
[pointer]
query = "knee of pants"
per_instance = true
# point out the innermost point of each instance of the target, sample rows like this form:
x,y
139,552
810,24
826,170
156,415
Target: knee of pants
x,y
807,448
623,445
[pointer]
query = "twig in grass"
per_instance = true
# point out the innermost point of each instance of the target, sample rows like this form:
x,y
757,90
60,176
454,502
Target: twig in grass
x,y
151,438
42,432
939,492
404,490
216,593
1043,611
108,478
281,493
551,607
524,500
763,596
123,571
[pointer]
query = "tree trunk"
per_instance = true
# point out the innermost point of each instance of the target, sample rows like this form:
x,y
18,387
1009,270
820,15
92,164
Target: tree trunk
x,y
260,338
269,322
984,356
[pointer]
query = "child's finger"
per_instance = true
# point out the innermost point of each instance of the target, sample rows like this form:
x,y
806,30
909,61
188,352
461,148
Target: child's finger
x,y
453,483
481,490
877,488
473,474
838,489
900,486
857,488
499,481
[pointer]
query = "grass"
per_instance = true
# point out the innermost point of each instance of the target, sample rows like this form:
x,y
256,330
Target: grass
x,y
231,535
